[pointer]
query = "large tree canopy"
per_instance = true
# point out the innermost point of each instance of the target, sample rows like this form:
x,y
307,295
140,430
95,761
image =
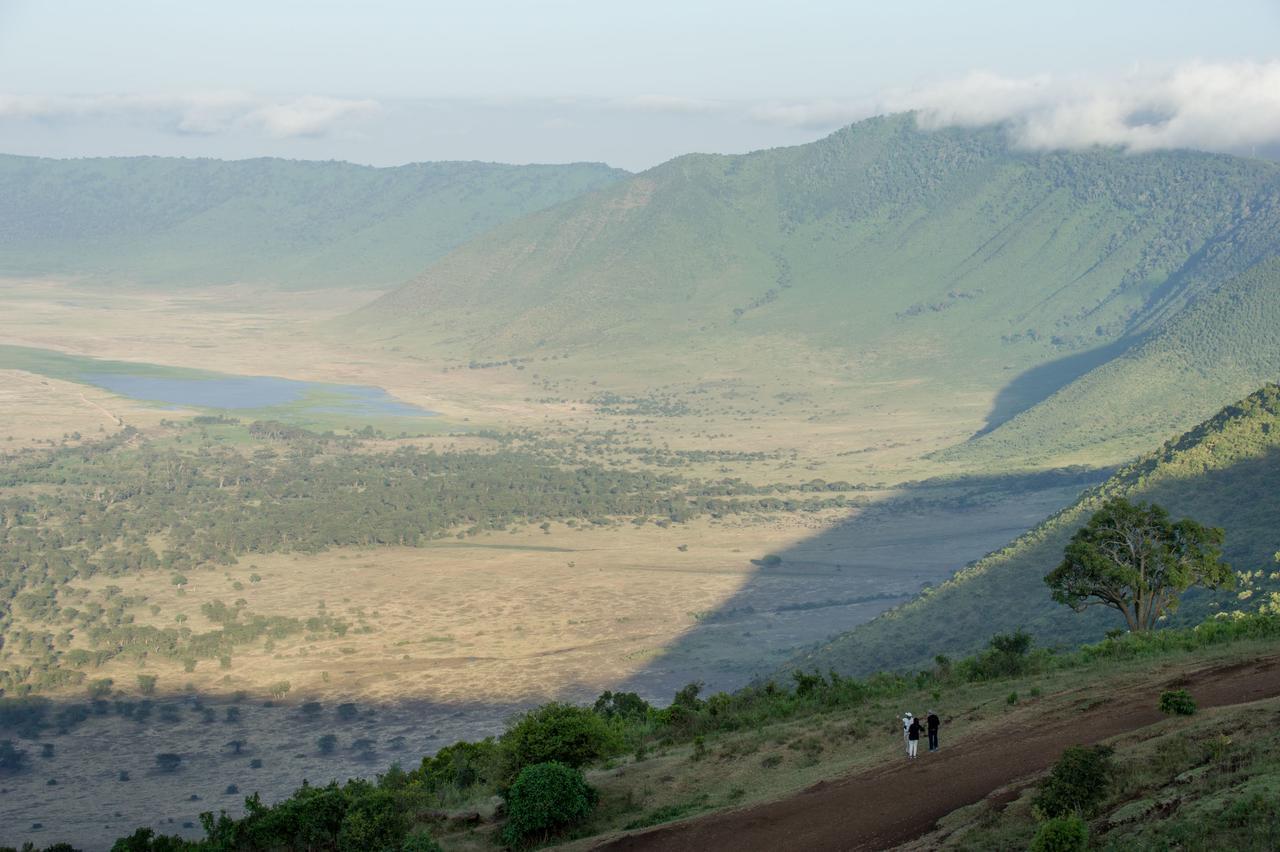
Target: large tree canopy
x,y
1137,560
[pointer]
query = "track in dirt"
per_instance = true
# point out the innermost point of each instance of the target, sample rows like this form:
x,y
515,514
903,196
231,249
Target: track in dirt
x,y
891,804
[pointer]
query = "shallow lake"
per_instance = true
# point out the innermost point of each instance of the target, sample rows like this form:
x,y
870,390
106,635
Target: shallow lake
x,y
257,392
181,387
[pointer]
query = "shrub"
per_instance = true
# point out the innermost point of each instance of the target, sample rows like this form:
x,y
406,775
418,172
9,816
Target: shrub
x,y
622,705
557,732
327,743
1077,783
1061,834
419,841
546,798
460,765
12,758
168,761
374,819
147,684
1177,702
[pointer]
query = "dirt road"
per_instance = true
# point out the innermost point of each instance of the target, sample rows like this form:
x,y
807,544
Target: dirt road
x,y
892,804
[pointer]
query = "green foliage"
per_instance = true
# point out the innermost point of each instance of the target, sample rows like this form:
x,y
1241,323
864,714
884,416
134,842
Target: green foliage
x,y
1077,783
265,221
560,733
147,684
1136,560
627,706
12,758
1222,472
1177,702
1067,833
98,509
459,767
546,798
419,841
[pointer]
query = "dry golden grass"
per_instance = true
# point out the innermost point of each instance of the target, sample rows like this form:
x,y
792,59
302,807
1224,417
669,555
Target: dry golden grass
x,y
506,618
35,410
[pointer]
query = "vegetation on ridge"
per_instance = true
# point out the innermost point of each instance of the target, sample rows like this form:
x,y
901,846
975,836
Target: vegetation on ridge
x,y
1222,472
160,220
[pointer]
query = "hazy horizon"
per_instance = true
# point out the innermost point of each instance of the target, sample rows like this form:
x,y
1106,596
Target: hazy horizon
x,y
394,83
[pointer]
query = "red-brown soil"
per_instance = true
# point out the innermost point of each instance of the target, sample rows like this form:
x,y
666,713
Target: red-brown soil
x,y
891,804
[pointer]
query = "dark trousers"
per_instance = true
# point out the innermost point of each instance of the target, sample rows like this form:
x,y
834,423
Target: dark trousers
x,y
933,740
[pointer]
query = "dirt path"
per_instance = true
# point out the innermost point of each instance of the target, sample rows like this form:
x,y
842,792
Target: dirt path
x,y
891,804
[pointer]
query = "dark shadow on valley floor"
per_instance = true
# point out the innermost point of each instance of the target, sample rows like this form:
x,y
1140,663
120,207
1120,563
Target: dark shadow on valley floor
x,y
851,571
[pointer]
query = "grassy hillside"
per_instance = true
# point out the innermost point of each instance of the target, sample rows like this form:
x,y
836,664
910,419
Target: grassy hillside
x,y
941,259
1223,472
163,220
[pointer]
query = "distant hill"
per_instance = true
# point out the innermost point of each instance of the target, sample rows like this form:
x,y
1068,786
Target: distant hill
x,y
944,260
1223,472
158,220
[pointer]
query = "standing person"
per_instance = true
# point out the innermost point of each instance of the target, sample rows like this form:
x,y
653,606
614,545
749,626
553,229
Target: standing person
x,y
933,723
913,737
906,726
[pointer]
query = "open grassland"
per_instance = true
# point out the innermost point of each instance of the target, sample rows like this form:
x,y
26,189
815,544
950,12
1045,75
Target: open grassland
x,y
839,420
35,411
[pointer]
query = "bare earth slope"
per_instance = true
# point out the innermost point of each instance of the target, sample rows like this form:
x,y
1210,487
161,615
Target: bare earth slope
x,y
895,803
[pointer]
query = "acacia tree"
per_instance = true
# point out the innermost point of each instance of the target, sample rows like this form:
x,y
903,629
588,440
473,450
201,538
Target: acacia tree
x,y
1135,559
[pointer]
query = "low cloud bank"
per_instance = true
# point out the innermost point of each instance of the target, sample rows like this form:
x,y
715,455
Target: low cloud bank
x,y
1218,107
1230,107
204,113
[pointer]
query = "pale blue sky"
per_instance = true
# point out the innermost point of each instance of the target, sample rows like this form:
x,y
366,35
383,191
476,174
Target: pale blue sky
x,y
628,83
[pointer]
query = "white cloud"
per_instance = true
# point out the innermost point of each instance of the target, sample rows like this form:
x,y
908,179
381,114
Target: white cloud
x,y
1219,107
309,116
200,113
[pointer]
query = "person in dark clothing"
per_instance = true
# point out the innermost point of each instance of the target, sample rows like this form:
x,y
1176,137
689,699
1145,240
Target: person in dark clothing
x,y
933,723
913,737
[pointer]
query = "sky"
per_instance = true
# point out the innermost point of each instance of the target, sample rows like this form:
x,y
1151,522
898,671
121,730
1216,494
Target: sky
x,y
630,84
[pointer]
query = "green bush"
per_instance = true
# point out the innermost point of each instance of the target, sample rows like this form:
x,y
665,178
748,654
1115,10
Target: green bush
x,y
546,798
1061,834
1077,783
12,758
420,841
563,733
1177,702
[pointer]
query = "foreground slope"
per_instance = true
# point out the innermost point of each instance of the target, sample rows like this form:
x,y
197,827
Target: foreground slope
x,y
944,260
299,224
1223,472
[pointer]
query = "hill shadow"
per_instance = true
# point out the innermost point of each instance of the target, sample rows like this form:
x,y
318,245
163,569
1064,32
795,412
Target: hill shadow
x,y
1033,386
853,570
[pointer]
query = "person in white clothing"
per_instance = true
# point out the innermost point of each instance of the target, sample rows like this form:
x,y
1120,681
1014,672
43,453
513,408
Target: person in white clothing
x,y
906,726
913,737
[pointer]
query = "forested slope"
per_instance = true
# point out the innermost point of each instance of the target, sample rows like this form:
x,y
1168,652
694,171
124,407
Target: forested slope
x,y
160,220
946,260
1223,472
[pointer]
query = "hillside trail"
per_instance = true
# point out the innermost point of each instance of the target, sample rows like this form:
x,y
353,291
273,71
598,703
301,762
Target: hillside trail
x,y
894,803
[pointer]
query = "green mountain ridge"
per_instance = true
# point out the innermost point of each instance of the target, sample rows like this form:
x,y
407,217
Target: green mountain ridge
x,y
297,224
941,257
1223,473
